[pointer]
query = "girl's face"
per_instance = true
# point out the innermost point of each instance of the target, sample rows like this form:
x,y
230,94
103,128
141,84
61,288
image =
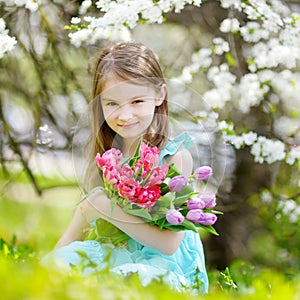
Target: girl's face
x,y
128,107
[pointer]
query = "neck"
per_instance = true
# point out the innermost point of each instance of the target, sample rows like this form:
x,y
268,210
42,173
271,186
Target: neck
x,y
129,147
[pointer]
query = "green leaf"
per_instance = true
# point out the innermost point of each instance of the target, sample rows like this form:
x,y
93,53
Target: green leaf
x,y
230,60
158,216
216,212
183,195
139,212
165,200
164,187
113,202
108,233
210,229
137,151
188,189
189,225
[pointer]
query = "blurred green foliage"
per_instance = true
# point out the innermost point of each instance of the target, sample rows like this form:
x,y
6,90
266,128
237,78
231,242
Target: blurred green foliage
x,y
29,230
22,277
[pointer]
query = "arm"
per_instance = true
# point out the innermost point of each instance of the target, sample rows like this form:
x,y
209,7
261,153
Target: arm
x,y
183,160
98,205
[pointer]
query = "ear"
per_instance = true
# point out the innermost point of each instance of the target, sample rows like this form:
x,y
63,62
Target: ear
x,y
161,95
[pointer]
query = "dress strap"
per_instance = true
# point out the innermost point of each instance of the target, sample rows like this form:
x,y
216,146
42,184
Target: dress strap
x,y
183,140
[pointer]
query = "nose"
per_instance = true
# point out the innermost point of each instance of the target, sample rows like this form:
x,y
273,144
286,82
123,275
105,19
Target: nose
x,y
125,113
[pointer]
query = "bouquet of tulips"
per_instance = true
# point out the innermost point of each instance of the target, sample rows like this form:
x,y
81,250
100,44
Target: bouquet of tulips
x,y
160,195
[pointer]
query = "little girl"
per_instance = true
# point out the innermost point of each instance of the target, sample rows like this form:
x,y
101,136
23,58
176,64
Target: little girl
x,y
130,101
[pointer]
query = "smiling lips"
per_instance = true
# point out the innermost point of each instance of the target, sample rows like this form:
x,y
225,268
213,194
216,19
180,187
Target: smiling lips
x,y
127,125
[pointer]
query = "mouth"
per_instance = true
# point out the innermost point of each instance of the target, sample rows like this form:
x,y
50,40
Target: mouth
x,y
128,125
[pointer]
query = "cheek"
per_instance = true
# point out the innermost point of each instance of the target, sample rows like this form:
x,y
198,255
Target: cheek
x,y
109,114
148,115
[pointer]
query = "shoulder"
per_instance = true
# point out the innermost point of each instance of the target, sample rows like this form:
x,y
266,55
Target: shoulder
x,y
183,160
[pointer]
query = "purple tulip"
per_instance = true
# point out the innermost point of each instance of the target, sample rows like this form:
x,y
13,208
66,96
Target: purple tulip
x,y
177,183
195,203
209,198
202,201
174,216
203,218
204,172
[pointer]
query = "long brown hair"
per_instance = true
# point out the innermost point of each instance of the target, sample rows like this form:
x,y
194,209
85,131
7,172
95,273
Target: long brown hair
x,y
127,61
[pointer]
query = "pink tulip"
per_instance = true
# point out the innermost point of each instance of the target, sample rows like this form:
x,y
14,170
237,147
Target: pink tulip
x,y
126,171
146,197
127,188
111,175
157,175
111,157
149,154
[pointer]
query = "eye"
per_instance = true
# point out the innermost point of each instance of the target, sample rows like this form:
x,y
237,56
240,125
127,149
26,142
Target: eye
x,y
111,103
137,101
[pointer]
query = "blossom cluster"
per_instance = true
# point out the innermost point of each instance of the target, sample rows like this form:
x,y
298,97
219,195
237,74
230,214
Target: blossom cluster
x,y
271,36
119,17
262,148
159,194
32,5
284,206
7,42
291,209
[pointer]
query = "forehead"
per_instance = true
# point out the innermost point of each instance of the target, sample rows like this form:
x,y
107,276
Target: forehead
x,y
126,89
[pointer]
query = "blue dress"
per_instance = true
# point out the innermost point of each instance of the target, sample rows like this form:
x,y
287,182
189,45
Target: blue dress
x,y
185,269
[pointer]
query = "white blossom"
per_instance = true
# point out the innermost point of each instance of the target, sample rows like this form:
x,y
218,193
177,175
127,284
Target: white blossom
x,y
104,5
280,8
208,119
259,9
221,77
165,5
154,14
75,20
85,5
249,138
225,126
266,150
32,5
293,155
266,75
239,140
290,208
285,126
220,46
266,196
7,42
202,59
80,36
273,53
197,2
216,98
286,85
235,140
230,25
252,32
249,92
120,15
231,3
